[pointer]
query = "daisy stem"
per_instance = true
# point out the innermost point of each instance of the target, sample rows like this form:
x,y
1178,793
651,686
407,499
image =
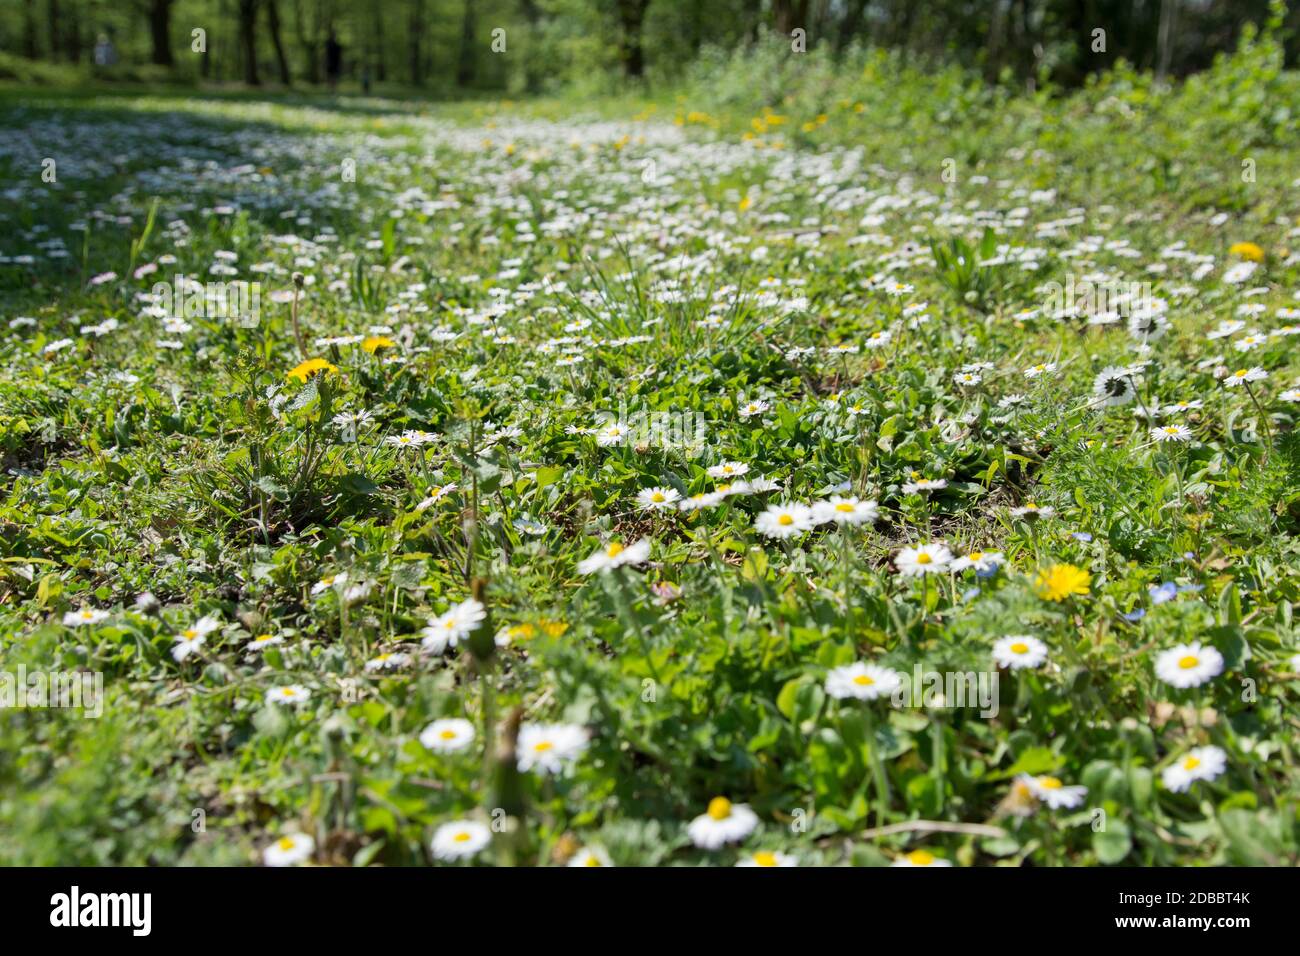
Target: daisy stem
x,y
937,757
487,704
877,769
629,613
846,569
1263,419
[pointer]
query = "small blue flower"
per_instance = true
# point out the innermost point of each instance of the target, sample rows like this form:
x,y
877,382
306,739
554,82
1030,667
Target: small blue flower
x,y
1160,593
971,594
1190,588
1083,536
1135,615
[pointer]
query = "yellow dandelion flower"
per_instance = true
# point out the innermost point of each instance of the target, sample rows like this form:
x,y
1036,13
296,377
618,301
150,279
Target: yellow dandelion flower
x,y
1062,580
376,342
309,368
1247,250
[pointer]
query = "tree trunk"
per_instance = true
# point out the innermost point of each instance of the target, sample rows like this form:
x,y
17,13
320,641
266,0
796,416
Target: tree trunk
x,y
248,40
1165,36
310,43
631,15
72,34
381,65
160,32
532,74
29,29
852,22
53,11
466,69
273,24
413,42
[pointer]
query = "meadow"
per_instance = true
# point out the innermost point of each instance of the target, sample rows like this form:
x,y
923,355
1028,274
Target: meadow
x,y
818,465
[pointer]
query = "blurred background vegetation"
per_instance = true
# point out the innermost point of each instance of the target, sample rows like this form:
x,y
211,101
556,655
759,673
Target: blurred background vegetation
x,y
460,48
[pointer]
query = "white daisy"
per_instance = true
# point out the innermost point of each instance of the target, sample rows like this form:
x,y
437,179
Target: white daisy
x,y
1114,386
723,822
923,559
548,748
1052,792
921,858
328,582
610,435
1202,763
460,839
657,499
615,555
981,561
845,511
924,484
1031,511
862,681
768,858
448,735
389,661
1019,651
728,469
262,641
1253,374
290,850
784,520
1188,665
590,856
452,626
289,694
1174,433
84,616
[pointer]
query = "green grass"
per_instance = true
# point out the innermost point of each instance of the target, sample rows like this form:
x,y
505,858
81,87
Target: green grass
x,y
690,267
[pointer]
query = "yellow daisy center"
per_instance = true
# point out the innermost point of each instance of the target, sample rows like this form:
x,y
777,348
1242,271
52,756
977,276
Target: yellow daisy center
x,y
542,746
448,735
1188,662
719,808
1191,763
924,558
1020,647
764,858
285,843
657,497
785,520
1049,783
844,507
614,550
461,837
862,680
920,857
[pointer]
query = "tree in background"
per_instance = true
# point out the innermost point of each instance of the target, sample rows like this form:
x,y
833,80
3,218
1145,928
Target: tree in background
x,y
631,17
248,40
600,43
